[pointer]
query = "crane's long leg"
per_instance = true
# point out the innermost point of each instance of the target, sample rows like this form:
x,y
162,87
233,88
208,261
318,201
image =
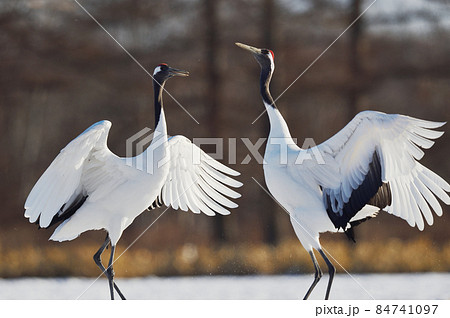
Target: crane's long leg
x,y
317,275
110,275
98,261
331,271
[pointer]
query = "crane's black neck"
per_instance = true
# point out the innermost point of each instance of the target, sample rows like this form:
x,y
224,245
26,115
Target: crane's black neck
x,y
158,90
266,76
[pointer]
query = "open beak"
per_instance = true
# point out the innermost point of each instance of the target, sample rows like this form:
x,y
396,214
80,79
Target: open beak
x,y
249,48
175,72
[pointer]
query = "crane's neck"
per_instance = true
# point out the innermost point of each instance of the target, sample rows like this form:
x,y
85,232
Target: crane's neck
x,y
278,126
264,82
157,147
152,159
160,120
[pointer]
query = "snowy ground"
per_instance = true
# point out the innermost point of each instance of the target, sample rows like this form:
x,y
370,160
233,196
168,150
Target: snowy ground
x,y
378,286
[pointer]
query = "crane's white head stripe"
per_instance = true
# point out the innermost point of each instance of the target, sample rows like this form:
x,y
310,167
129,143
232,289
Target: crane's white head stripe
x,y
157,70
272,62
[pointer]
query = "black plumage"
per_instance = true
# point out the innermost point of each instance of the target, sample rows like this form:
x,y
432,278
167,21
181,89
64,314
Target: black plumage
x,y
156,204
66,212
371,191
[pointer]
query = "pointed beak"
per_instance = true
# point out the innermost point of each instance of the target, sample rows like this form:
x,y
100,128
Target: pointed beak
x,y
249,48
176,72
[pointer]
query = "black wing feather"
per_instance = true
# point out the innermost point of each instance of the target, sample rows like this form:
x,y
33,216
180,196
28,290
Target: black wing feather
x,y
157,203
66,212
372,191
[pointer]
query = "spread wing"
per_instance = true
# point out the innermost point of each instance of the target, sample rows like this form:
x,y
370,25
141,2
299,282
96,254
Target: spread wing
x,y
67,182
378,158
196,181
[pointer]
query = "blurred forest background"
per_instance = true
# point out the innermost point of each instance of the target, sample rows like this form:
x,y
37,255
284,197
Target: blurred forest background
x,y
60,73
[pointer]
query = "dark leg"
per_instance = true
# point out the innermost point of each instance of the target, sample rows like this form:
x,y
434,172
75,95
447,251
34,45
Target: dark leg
x,y
331,271
98,261
97,255
110,275
317,275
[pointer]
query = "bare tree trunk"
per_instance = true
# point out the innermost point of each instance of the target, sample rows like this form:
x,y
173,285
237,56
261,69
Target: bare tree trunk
x,y
212,92
354,59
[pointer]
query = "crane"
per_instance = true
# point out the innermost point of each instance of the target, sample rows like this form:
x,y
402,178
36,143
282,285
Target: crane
x,y
87,187
371,165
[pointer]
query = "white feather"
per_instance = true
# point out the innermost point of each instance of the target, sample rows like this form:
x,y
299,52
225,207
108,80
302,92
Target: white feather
x,y
194,177
396,138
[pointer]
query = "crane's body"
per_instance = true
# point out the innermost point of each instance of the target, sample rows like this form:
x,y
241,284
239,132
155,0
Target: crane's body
x,y
295,191
371,165
87,187
116,192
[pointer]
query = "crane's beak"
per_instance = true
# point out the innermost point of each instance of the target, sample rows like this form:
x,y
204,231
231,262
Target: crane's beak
x,y
249,48
176,72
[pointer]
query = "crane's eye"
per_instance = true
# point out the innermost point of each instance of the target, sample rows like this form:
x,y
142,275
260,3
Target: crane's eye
x,y
268,53
160,68
163,66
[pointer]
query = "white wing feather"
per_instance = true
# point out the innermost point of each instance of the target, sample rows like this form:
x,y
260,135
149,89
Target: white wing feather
x,y
397,139
196,181
61,182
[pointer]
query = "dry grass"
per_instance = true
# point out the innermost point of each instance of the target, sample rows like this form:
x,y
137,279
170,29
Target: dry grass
x,y
288,257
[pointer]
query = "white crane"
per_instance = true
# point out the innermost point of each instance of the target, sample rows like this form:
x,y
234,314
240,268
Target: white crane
x,y
370,165
87,187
